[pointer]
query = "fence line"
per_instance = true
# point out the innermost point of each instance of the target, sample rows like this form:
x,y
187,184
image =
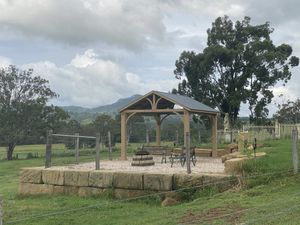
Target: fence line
x,y
138,197
73,136
261,133
76,136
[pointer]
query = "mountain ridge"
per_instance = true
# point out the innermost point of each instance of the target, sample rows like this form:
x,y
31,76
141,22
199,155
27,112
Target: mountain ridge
x,y
82,114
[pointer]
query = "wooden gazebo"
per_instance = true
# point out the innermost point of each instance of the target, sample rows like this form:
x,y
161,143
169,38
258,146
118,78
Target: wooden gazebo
x,y
160,105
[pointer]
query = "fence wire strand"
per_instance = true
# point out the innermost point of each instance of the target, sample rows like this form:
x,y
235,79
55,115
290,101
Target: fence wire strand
x,y
36,216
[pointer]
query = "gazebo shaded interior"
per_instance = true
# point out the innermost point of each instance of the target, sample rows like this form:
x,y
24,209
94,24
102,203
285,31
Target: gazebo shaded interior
x,y
160,105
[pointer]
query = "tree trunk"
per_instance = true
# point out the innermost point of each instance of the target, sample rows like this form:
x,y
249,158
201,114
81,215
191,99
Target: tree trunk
x,y
10,150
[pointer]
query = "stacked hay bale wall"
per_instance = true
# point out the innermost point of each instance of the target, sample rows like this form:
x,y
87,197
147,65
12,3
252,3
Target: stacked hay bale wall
x,y
35,181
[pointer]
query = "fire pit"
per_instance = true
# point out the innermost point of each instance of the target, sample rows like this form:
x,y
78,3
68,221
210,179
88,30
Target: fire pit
x,y
142,158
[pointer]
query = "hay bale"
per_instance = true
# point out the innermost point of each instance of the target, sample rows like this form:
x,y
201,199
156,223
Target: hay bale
x,y
128,181
259,154
55,177
89,191
76,178
187,180
233,147
158,182
58,190
71,190
101,179
31,175
234,166
35,189
232,156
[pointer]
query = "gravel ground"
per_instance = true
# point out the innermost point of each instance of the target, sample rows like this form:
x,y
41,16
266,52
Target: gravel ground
x,y
205,166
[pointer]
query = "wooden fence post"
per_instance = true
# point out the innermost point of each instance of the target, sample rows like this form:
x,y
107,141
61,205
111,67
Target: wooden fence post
x,y
77,148
188,152
1,211
109,145
147,136
295,149
98,151
48,150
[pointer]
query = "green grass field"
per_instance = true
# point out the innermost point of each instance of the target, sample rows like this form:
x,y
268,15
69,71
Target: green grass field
x,y
269,199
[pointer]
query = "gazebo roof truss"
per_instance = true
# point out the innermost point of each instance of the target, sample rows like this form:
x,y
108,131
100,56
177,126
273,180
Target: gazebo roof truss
x,y
156,104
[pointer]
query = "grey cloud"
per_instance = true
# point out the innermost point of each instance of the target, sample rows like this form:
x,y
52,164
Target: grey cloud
x,y
276,11
125,23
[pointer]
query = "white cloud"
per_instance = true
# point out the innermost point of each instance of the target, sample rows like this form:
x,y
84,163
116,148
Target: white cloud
x,y
87,59
285,92
91,81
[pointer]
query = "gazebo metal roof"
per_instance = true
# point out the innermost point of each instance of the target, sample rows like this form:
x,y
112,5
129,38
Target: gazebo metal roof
x,y
168,101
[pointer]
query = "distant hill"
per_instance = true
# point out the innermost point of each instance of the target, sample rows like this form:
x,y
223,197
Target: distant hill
x,y
72,108
113,108
86,115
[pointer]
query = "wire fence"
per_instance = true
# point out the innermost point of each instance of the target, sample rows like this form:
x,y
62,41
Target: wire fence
x,y
36,216
108,203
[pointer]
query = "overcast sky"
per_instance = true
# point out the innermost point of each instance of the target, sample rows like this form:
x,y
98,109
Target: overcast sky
x,y
94,52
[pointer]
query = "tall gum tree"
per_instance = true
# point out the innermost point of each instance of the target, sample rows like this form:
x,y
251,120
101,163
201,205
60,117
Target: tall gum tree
x,y
23,107
239,65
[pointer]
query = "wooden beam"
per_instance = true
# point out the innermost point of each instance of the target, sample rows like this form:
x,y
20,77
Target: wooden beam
x,y
156,102
186,125
97,159
155,111
48,150
157,118
77,148
151,103
123,136
214,121
109,145
187,152
129,116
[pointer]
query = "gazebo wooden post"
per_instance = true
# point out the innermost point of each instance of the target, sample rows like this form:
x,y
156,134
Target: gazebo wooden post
x,y
186,124
156,104
123,136
214,121
157,118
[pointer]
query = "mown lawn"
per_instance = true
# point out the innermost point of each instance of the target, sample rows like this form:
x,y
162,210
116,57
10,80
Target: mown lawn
x,y
269,199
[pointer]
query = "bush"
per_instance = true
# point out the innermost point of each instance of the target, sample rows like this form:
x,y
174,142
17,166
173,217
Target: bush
x,y
29,155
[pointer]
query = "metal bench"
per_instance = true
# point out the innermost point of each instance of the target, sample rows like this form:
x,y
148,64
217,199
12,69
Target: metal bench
x,y
181,157
162,151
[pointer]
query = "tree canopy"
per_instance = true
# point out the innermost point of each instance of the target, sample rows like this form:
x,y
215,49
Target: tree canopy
x,y
239,65
23,106
288,112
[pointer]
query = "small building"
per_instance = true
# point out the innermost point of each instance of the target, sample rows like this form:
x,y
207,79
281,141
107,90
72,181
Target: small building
x,y
160,105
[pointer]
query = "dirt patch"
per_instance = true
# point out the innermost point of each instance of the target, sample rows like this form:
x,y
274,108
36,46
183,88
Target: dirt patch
x,y
230,214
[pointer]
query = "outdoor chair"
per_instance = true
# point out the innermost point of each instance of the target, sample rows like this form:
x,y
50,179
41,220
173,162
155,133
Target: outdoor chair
x,y
181,157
